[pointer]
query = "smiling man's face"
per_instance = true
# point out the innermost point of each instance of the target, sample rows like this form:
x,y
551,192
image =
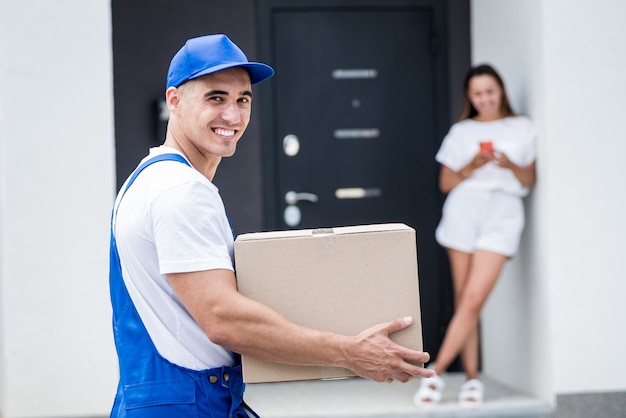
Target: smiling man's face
x,y
214,111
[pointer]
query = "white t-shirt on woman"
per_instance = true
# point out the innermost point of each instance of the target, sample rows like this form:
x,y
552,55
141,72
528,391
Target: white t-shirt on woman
x,y
515,136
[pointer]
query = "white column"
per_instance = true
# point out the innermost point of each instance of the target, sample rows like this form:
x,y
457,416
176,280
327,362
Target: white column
x,y
57,182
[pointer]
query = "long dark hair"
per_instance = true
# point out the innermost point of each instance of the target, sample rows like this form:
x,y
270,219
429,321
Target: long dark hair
x,y
467,109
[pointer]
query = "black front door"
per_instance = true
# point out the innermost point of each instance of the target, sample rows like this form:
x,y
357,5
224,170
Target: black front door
x,y
354,116
355,122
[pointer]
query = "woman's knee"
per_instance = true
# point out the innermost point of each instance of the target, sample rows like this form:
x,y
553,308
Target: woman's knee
x,y
472,303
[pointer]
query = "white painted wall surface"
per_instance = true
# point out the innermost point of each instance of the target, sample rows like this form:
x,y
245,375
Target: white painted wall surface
x,y
56,189
553,325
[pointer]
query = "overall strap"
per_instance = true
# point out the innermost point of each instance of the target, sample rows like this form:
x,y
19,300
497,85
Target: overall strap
x,y
156,159
139,169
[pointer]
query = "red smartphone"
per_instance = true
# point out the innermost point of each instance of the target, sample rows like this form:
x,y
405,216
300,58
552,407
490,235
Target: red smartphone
x,y
486,146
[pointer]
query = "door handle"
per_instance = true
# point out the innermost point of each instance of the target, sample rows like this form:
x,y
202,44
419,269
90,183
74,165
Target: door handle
x,y
291,197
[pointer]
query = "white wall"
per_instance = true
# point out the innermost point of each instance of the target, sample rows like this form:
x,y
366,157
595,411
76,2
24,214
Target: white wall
x,y
56,190
552,325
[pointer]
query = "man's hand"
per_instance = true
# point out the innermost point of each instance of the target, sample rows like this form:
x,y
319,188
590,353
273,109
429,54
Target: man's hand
x,y
371,354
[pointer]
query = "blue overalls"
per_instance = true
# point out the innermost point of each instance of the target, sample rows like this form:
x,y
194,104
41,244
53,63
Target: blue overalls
x,y
150,386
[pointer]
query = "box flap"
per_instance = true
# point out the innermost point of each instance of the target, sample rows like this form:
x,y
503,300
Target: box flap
x,y
342,230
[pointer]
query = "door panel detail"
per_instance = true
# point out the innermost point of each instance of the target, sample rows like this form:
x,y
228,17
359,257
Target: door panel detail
x,y
291,197
291,145
357,192
355,73
356,133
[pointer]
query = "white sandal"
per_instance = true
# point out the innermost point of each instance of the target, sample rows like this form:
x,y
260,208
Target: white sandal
x,y
471,394
429,393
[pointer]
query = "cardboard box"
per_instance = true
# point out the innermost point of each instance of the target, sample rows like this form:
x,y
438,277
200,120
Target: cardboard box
x,y
342,280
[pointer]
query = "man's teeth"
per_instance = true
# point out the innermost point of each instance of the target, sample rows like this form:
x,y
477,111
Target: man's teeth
x,y
224,132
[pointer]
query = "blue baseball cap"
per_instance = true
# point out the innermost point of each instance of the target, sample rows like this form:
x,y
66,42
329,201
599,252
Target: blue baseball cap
x,y
208,54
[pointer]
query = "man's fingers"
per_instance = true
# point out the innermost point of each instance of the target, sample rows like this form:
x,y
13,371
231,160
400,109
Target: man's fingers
x,y
410,374
415,357
398,324
409,356
404,377
393,360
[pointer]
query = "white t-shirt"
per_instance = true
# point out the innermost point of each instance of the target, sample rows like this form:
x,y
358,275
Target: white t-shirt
x,y
515,136
172,220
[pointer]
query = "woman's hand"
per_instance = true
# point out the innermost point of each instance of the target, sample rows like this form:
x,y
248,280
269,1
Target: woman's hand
x,y
449,179
502,160
480,159
526,175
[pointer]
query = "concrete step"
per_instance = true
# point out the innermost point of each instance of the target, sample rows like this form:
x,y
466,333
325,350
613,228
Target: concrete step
x,y
363,398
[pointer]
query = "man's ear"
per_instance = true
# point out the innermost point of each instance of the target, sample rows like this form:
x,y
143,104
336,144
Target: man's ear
x,y
172,98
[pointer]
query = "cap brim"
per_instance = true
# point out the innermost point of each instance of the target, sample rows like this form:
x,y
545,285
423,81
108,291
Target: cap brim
x,y
258,71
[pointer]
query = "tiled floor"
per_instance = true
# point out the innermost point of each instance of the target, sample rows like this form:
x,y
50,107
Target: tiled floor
x,y
363,398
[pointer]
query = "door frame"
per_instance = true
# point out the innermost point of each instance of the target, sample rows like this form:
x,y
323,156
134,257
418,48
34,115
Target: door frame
x,y
269,143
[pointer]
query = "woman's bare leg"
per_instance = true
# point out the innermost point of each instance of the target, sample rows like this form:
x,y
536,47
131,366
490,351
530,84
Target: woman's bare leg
x,y
484,268
469,355
460,263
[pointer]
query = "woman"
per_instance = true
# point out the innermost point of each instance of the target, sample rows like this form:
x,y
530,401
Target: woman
x,y
487,167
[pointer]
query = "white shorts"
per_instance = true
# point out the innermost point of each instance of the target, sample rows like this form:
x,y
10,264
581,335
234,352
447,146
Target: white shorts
x,y
481,219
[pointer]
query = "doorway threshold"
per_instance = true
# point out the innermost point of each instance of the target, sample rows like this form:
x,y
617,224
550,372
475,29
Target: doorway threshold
x,y
359,397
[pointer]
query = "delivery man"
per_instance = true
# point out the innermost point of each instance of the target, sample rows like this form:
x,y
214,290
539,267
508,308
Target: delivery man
x,y
178,319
